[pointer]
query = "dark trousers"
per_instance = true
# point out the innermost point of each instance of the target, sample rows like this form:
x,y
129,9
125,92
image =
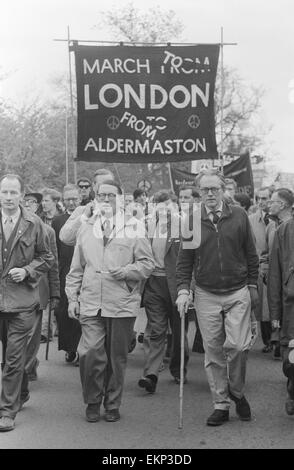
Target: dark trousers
x,y
19,326
3,339
160,310
103,352
266,332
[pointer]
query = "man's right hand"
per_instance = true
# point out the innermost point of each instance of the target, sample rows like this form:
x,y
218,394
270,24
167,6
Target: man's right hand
x,y
182,303
89,209
74,310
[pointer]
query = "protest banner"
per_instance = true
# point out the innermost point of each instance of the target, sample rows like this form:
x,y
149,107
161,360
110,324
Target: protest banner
x,y
239,169
146,104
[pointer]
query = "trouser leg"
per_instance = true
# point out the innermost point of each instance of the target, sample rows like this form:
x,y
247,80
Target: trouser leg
x,y
33,343
237,310
209,313
198,341
157,304
3,337
266,332
119,333
93,358
18,327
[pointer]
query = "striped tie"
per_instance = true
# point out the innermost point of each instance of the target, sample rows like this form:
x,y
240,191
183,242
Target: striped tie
x,y
8,228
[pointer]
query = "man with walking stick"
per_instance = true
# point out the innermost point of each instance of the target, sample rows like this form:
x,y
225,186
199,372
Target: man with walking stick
x,y
225,267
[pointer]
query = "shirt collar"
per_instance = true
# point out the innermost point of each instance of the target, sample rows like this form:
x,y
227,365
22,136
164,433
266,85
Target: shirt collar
x,y
220,209
14,217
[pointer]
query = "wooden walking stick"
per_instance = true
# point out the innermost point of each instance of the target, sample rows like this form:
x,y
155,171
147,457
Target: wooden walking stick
x,y
48,332
182,369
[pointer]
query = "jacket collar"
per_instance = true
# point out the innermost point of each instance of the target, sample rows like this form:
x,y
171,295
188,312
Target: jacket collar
x,y
226,212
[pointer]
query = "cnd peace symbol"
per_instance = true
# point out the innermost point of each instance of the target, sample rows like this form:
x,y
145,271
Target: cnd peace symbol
x,y
194,121
112,122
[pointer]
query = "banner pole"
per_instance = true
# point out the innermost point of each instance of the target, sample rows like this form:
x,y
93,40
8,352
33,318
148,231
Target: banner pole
x,y
71,108
221,164
170,177
117,172
66,148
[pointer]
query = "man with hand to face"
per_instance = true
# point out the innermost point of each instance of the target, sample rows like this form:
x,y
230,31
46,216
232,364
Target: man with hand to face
x,y
68,232
111,258
26,257
225,267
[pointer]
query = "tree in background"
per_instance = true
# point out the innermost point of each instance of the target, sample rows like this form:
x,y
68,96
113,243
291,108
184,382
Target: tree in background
x,y
32,137
241,103
154,25
242,129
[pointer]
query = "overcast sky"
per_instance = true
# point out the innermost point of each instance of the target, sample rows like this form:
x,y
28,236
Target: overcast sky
x,y
264,55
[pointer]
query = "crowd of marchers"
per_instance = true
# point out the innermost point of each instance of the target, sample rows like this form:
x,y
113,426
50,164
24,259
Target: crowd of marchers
x,y
84,264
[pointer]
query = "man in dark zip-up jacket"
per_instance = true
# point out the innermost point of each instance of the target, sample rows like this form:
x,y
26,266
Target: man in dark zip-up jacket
x,y
226,269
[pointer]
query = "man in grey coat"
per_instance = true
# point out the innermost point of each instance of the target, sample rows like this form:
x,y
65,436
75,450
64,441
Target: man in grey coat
x,y
111,258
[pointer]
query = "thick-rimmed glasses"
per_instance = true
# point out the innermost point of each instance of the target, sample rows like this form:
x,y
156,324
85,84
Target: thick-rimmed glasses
x,y
30,202
102,196
213,189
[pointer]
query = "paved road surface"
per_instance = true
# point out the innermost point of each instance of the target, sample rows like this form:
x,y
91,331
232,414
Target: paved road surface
x,y
54,416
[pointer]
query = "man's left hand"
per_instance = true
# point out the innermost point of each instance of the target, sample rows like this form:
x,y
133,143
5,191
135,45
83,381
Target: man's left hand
x,y
17,274
118,274
254,297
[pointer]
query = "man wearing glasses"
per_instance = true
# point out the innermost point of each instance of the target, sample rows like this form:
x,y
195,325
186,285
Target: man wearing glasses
x,y
111,258
259,222
68,233
84,185
226,269
69,330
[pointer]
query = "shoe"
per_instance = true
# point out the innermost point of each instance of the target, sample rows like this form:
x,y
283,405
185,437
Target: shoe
x,y
141,338
33,376
277,351
178,380
6,424
218,417
242,407
112,415
133,343
93,412
71,357
268,348
162,365
44,339
23,400
149,383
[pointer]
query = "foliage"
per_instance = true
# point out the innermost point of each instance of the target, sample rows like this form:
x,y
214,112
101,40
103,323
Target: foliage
x,y
151,26
32,137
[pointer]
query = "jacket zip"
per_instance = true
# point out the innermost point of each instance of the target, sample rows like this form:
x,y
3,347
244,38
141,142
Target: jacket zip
x,y
219,251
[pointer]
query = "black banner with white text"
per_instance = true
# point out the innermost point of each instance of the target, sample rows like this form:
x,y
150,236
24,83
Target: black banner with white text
x,y
146,104
239,169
